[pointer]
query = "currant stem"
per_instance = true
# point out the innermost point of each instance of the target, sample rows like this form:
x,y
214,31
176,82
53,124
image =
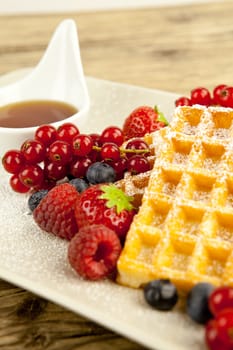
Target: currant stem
x,y
125,150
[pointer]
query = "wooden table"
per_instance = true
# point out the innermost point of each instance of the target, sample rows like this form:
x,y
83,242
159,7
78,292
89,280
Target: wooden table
x,y
172,48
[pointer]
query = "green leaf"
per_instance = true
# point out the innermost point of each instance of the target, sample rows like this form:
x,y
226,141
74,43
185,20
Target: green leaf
x,y
116,197
161,117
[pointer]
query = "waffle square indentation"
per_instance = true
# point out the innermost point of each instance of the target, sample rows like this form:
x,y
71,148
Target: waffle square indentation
x,y
229,195
212,155
170,180
180,255
225,227
202,187
154,214
191,122
215,261
190,221
222,124
188,122
181,151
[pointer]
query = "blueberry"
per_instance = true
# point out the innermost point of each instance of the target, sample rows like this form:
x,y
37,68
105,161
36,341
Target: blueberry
x,y
161,294
197,302
79,184
100,172
35,199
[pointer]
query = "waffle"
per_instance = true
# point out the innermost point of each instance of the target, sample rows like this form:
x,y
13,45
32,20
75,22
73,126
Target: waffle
x,y
183,230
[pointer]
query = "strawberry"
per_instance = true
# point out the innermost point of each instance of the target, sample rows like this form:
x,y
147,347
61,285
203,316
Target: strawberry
x,y
143,120
55,212
93,252
105,204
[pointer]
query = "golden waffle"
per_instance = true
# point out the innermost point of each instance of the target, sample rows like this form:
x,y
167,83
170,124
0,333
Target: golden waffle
x,y
184,228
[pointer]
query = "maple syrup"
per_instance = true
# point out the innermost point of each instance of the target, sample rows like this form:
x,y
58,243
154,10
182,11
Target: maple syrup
x,y
34,113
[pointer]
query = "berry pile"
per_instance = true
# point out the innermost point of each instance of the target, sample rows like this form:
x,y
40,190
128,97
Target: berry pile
x,y
54,154
206,305
95,222
69,175
222,95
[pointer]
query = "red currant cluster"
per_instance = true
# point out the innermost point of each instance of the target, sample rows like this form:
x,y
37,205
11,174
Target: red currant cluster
x,y
54,154
222,95
219,330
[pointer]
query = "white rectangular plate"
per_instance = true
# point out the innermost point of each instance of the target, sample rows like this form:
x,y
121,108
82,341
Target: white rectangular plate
x,y
37,261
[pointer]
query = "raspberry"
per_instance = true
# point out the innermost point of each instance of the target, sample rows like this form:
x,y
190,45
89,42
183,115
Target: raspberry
x,y
55,213
93,252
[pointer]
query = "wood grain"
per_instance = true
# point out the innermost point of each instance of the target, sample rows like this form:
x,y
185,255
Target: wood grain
x,y
30,322
172,48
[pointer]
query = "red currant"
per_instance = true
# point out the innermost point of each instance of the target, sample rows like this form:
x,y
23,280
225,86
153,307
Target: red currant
x,y
112,134
46,184
183,101
120,166
17,185
13,161
82,145
136,145
60,152
79,166
224,322
33,151
138,164
31,175
66,132
200,96
94,155
96,139
221,298
46,134
218,92
212,338
54,171
226,97
110,151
